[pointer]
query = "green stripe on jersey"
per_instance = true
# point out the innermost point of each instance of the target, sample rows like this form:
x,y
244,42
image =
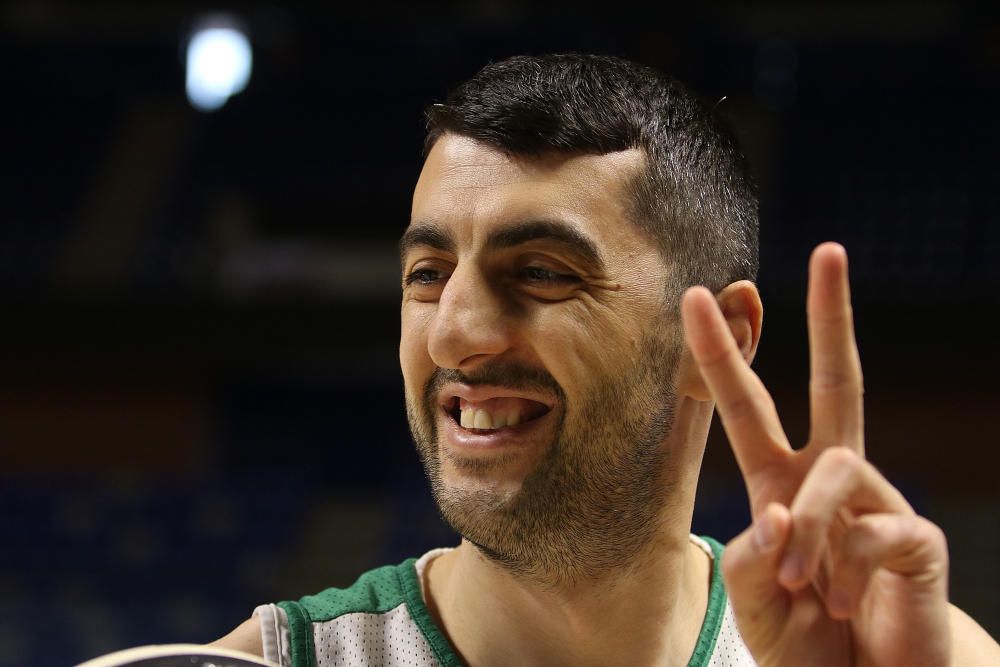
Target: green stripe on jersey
x,y
713,615
375,592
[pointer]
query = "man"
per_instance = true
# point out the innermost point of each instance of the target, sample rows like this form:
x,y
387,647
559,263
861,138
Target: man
x,y
577,299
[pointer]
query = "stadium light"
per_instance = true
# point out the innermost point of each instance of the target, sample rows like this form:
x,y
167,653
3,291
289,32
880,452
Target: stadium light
x,y
219,62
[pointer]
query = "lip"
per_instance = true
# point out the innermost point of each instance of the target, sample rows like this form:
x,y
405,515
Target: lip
x,y
520,435
484,393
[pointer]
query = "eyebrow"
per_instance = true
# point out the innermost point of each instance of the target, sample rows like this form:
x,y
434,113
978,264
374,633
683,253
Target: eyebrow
x,y
433,235
428,234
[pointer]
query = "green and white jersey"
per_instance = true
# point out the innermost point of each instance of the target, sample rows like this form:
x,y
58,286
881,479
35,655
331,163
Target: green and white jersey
x,y
382,620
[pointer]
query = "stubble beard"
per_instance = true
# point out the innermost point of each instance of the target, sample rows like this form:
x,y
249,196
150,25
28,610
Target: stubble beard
x,y
594,502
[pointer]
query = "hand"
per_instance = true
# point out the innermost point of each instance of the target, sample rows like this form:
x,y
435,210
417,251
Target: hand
x,y
837,569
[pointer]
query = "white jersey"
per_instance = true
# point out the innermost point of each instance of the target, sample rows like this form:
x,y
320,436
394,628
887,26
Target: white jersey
x,y
382,620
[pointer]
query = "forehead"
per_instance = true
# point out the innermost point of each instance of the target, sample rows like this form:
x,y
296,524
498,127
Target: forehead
x,y
464,181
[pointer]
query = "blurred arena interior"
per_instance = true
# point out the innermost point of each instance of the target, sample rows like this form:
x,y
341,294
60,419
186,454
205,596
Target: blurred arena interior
x,y
200,403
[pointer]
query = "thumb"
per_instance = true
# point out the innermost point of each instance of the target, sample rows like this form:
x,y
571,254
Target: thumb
x,y
750,566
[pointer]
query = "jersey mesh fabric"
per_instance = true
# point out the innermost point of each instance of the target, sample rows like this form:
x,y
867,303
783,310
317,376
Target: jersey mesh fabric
x,y
730,651
390,639
382,620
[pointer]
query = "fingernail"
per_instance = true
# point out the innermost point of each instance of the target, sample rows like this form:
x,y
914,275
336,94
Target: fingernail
x,y
763,533
791,569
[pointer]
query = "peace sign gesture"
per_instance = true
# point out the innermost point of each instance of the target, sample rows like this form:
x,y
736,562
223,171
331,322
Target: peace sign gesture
x,y
837,568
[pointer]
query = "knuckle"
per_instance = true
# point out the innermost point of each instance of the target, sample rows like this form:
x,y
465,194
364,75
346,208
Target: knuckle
x,y
930,533
932,544
832,380
809,522
870,529
739,408
840,459
858,558
744,408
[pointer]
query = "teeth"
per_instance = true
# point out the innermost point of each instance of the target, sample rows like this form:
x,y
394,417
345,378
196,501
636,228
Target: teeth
x,y
482,420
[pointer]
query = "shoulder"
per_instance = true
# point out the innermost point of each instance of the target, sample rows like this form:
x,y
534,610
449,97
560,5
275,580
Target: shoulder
x,y
324,620
246,637
376,591
382,617
970,643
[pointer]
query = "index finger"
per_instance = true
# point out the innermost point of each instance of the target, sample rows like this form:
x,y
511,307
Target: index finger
x,y
745,407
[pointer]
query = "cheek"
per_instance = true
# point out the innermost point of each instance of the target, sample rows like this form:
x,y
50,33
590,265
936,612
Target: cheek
x,y
414,359
580,344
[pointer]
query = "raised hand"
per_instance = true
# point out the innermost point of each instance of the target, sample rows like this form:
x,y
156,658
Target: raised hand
x,y
836,569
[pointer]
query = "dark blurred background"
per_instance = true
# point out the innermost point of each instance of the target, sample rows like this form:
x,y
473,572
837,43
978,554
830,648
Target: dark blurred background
x,y
200,402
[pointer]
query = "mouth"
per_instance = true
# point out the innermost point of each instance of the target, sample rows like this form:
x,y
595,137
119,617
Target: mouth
x,y
492,415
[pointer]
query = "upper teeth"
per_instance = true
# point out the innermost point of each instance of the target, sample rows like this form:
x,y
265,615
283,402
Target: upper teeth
x,y
483,419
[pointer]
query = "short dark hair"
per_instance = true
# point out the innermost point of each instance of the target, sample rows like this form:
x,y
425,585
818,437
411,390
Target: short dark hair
x,y
695,197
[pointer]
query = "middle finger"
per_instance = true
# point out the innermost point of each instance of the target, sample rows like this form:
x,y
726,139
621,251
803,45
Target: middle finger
x,y
835,385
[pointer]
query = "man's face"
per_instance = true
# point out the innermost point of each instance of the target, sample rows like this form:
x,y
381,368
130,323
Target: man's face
x,y
537,357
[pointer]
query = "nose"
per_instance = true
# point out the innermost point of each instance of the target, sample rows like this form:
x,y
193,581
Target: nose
x,y
471,324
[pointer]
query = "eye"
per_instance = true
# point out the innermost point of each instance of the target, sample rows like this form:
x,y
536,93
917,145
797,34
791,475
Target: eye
x,y
542,277
424,284
423,277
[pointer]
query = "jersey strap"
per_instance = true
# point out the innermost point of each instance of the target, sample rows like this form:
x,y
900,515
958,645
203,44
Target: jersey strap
x,y
709,633
379,591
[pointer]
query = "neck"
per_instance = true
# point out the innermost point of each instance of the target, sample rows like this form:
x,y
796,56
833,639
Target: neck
x,y
614,620
648,611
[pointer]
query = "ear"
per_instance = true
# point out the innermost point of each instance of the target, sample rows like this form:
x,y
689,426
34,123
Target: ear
x,y
740,305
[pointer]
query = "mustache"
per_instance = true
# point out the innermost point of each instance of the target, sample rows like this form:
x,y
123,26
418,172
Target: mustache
x,y
502,374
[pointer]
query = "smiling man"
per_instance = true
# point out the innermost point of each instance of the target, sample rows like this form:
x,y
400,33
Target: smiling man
x,y
561,371
527,301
